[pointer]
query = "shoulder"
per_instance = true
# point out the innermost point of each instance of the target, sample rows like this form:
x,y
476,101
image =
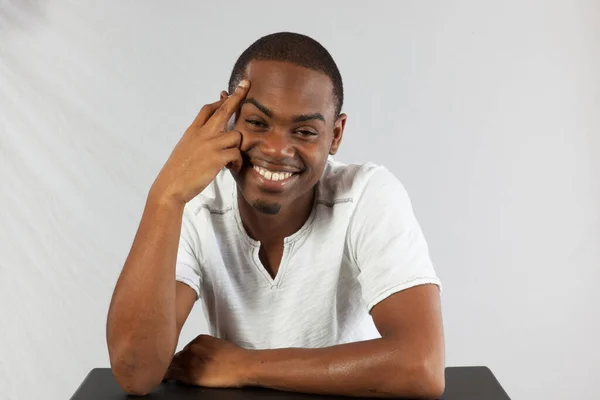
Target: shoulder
x,y
350,181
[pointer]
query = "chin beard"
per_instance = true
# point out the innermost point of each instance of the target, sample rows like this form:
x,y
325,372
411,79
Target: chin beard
x,y
266,208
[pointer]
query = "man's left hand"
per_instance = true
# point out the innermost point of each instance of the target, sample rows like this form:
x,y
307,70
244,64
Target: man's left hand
x,y
210,362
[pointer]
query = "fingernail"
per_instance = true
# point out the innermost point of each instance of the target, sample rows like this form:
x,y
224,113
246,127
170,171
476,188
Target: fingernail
x,y
243,83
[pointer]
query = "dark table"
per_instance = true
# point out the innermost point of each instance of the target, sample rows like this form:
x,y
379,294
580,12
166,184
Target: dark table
x,y
462,383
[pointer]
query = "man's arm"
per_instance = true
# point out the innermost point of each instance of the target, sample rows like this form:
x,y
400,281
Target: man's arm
x,y
148,307
408,361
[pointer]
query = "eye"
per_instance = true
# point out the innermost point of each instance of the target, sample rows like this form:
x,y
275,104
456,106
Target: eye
x,y
257,123
305,133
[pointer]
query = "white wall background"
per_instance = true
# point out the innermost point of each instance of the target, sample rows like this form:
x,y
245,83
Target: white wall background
x,y
489,112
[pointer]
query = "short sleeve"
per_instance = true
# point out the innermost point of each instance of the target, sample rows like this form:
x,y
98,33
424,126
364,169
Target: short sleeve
x,y
187,268
386,242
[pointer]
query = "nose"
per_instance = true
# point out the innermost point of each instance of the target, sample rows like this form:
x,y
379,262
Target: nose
x,y
276,145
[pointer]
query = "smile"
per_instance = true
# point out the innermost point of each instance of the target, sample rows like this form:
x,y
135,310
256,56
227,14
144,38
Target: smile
x,y
274,176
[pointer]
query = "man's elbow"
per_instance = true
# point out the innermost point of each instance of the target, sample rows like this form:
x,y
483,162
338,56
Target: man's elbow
x,y
136,376
423,380
428,380
135,381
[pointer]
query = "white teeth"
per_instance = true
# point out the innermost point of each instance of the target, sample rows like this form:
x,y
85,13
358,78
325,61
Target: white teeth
x,y
272,176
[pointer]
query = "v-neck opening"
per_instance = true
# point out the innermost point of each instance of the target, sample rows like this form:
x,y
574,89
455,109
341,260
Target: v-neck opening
x,y
288,242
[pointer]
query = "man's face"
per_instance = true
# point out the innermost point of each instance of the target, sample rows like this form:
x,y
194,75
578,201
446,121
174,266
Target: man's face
x,y
289,127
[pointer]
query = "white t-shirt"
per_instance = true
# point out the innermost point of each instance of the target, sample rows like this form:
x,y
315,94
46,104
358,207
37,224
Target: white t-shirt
x,y
360,244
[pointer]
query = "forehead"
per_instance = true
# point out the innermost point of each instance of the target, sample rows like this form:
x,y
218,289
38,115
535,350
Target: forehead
x,y
288,89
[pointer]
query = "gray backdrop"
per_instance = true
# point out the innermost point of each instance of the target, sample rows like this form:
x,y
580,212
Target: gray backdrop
x,y
489,112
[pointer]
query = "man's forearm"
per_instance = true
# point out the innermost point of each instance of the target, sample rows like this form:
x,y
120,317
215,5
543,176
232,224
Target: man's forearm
x,y
141,327
379,367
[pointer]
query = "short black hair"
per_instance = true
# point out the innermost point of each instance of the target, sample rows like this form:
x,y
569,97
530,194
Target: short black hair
x,y
294,48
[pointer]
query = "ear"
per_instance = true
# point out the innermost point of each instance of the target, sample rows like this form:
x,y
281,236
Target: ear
x,y
338,132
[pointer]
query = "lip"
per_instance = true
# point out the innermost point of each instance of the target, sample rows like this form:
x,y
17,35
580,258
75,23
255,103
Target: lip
x,y
269,185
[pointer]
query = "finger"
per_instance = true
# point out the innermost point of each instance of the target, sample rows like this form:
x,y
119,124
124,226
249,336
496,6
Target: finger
x,y
235,166
179,360
232,159
174,374
230,139
224,95
233,140
222,115
206,112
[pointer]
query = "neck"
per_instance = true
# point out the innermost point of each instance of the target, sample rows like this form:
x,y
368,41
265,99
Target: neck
x,y
274,228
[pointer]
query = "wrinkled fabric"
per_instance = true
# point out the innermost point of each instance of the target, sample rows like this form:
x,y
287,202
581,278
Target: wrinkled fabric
x,y
360,244
487,111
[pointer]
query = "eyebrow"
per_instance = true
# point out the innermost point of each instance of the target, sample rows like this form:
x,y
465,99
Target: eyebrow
x,y
298,118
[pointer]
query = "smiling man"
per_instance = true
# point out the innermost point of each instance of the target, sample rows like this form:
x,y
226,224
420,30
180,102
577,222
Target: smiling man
x,y
314,275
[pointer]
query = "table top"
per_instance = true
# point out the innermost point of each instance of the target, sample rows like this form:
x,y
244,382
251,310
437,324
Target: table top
x,y
462,383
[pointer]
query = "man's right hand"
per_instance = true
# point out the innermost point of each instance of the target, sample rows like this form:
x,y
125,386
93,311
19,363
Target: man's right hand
x,y
205,148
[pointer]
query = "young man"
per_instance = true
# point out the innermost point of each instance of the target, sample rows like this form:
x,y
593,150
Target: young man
x,y
314,275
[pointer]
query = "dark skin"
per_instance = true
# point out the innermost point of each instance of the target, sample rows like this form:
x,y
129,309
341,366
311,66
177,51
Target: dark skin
x,y
276,133
289,124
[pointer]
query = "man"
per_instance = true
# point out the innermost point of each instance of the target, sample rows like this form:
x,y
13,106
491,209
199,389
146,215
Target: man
x,y
314,275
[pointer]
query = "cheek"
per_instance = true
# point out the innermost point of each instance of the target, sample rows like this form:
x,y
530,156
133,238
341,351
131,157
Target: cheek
x,y
314,157
248,139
